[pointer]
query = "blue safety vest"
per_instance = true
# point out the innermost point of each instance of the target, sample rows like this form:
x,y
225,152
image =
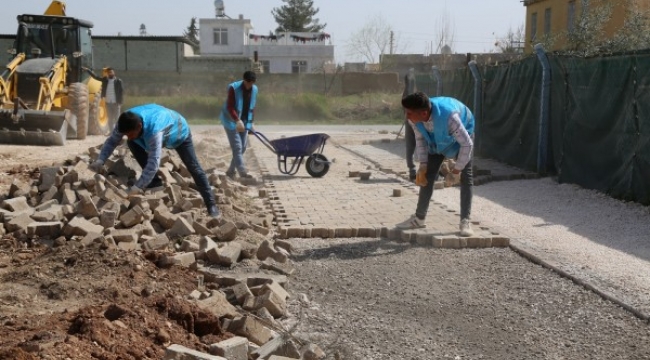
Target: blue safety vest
x,y
156,118
440,141
226,119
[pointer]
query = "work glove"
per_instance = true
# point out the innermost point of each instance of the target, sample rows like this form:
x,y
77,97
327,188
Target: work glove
x,y
421,176
96,166
240,126
133,191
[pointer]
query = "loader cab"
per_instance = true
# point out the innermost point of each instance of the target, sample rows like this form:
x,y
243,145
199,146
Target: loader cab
x,y
42,36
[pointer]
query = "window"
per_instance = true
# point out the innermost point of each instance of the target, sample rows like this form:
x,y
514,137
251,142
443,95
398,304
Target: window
x,y
547,21
220,36
298,66
266,66
533,27
571,17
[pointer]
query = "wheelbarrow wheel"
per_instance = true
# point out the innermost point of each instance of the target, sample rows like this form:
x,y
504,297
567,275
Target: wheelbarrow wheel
x,y
317,165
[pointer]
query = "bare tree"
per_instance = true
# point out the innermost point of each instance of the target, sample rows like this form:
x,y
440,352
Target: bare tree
x,y
374,39
512,42
445,32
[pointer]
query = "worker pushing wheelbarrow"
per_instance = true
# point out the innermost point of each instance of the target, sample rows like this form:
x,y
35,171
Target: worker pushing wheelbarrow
x,y
297,148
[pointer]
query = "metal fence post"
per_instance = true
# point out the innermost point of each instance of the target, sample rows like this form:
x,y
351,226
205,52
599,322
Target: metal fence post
x,y
437,76
545,108
478,96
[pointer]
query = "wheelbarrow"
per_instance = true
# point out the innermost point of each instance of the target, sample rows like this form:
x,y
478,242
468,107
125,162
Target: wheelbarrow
x,y
297,148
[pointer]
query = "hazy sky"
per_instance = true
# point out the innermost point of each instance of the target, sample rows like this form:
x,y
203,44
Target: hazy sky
x,y
476,23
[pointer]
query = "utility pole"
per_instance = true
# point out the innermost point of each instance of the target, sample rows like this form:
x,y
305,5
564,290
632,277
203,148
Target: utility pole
x,y
392,38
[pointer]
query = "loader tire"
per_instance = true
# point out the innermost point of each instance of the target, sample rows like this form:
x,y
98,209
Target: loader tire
x,y
97,117
78,101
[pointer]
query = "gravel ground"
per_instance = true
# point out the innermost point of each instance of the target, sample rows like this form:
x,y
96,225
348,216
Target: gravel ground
x,y
603,241
375,299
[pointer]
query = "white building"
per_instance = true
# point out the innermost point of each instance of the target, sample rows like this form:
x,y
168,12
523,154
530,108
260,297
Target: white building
x,y
277,53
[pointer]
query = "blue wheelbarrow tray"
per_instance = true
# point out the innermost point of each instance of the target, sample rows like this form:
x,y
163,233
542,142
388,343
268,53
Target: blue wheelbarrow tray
x,y
297,148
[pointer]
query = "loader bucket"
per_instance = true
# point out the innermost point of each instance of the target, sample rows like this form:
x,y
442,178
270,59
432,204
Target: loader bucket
x,y
34,127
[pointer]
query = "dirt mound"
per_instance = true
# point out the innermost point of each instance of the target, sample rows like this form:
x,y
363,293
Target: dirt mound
x,y
75,302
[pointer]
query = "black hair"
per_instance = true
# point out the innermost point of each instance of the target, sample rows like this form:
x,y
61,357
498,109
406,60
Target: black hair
x,y
250,76
416,101
128,121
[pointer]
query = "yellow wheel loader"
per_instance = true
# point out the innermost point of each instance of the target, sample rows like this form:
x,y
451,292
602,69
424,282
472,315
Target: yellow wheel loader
x,y
45,95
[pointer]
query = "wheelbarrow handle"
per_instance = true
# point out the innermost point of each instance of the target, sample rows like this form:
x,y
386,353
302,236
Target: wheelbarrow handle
x,y
264,140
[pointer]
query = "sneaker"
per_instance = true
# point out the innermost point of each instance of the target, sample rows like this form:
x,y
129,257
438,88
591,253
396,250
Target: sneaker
x,y
412,175
231,176
213,212
412,222
465,228
246,176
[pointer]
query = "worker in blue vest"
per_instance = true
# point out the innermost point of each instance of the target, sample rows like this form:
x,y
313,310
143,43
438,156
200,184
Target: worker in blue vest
x,y
444,128
148,129
237,116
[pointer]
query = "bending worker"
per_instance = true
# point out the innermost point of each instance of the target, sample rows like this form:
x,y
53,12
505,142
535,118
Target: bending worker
x,y
148,129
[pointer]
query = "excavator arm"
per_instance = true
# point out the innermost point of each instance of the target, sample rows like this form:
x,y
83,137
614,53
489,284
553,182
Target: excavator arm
x,y
6,94
52,84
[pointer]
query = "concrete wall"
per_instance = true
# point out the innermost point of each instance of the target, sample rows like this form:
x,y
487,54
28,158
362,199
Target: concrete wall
x,y
147,83
423,64
159,67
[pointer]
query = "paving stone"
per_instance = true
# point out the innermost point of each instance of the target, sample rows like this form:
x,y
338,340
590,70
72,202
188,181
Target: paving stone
x,y
218,305
235,348
81,227
161,241
181,228
273,302
18,204
132,217
179,352
45,229
227,231
251,328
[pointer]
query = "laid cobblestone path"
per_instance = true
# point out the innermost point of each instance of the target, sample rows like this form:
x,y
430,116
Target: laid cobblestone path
x,y
339,205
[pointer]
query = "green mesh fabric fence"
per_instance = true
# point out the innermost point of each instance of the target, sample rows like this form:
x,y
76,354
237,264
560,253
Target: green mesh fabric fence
x,y
639,186
600,124
459,84
508,127
426,83
599,127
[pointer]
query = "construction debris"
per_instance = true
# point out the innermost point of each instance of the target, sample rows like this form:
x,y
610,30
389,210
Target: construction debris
x,y
169,225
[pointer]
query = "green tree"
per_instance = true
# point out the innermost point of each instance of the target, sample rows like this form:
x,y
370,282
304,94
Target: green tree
x,y
192,35
297,16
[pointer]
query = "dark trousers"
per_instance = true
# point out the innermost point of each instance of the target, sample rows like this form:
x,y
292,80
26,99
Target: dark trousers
x,y
409,137
466,183
188,156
